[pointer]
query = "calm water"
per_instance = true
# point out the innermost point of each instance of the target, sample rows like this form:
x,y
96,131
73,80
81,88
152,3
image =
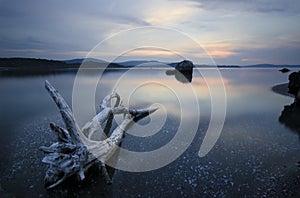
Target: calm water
x,y
254,155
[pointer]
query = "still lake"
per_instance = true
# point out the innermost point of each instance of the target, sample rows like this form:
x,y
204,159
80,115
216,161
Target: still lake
x,y
255,154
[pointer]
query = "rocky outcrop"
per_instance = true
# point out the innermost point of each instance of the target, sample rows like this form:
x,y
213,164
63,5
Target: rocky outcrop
x,y
290,117
183,71
294,85
185,65
284,70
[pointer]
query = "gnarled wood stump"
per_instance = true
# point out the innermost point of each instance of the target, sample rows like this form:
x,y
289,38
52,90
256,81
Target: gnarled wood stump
x,y
75,151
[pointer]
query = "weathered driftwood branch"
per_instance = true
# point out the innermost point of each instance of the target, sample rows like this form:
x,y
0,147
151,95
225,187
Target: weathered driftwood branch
x,y
75,150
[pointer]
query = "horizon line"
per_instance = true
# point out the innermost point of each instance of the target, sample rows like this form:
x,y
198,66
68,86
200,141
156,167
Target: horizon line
x,y
146,60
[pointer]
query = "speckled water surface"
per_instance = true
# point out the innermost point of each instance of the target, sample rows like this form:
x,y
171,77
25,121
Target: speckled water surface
x,y
254,156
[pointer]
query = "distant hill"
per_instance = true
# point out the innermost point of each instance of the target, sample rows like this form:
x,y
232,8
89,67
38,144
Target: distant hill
x,y
49,65
138,62
270,66
132,63
33,63
80,60
146,63
228,66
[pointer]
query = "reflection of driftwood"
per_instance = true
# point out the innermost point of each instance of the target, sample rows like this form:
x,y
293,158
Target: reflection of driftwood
x,y
75,150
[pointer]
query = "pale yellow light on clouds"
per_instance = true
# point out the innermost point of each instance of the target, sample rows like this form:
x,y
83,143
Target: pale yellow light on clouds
x,y
151,52
170,15
220,49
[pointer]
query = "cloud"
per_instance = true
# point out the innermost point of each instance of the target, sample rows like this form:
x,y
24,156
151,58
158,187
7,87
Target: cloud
x,y
232,31
59,25
150,51
171,14
260,6
123,19
281,55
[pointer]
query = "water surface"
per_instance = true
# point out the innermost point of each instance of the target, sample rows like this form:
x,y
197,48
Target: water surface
x,y
255,154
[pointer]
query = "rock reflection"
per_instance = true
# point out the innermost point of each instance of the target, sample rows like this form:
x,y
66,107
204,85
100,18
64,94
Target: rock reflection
x,y
181,76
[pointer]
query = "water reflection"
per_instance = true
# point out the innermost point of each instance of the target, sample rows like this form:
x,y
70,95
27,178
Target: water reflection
x,y
184,76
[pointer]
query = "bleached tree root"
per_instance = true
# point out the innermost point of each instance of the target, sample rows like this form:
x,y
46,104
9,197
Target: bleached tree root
x,y
76,151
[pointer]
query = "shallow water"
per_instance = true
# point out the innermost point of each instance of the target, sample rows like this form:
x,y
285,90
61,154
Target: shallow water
x,y
254,155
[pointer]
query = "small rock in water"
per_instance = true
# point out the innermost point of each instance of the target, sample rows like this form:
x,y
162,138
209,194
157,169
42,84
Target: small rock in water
x,y
284,70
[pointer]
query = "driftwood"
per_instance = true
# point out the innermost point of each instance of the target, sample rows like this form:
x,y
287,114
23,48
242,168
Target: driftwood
x,y
76,151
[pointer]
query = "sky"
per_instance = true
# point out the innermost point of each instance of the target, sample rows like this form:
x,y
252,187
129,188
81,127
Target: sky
x,y
231,32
